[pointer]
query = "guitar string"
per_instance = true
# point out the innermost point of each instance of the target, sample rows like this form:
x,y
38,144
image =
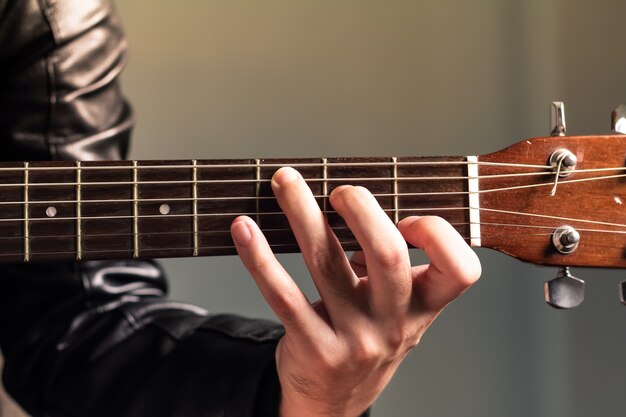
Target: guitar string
x,y
289,245
483,191
276,213
387,211
308,180
334,228
274,165
432,209
316,165
294,245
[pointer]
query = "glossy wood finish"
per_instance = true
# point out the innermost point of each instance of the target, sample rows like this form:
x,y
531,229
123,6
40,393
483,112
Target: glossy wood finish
x,y
595,206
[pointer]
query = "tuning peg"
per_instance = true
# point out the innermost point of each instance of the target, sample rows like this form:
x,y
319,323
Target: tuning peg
x,y
618,119
565,291
622,292
557,119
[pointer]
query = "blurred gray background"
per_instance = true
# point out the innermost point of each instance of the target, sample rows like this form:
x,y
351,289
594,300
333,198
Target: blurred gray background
x,y
239,79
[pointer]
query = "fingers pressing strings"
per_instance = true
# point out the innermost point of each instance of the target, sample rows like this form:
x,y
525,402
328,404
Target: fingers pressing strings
x,y
453,267
321,250
384,250
283,295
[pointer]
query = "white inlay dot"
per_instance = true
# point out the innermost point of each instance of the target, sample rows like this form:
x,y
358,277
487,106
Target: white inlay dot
x,y
51,211
164,208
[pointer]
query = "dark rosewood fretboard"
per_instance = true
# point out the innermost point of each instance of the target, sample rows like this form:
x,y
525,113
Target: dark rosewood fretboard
x,y
125,209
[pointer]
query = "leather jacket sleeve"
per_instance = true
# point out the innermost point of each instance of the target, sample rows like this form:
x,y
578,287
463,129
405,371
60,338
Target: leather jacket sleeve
x,y
101,338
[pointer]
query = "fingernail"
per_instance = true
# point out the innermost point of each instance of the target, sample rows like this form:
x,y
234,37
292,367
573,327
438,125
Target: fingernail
x,y
285,175
240,231
338,190
407,221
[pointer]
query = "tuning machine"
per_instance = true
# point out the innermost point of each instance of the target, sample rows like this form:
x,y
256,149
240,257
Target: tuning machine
x,y
557,119
565,291
618,125
622,292
618,119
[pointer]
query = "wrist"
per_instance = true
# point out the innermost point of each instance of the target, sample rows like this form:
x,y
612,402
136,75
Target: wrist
x,y
313,408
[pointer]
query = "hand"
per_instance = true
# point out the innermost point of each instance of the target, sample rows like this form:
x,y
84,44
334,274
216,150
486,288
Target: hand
x,y
339,353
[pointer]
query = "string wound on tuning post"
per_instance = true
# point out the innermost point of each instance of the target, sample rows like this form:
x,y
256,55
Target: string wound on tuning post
x,y
556,177
563,162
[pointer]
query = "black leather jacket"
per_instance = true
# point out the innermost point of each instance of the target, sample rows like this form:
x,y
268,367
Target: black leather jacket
x,y
101,338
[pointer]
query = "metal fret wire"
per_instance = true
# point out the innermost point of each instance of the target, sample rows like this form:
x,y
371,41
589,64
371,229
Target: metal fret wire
x,y
195,207
26,226
79,245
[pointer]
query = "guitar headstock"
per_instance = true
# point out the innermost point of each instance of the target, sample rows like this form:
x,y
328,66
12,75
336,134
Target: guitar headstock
x,y
558,200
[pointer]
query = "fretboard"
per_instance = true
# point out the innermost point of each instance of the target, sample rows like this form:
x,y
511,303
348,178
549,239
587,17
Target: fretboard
x,y
148,209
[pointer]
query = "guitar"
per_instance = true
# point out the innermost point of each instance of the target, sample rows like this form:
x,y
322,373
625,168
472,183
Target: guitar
x,y
556,200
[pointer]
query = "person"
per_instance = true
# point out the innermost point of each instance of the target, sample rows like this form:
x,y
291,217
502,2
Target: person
x,y
101,338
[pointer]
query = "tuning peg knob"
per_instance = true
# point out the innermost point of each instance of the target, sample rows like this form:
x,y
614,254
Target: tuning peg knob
x,y
565,291
557,119
618,119
622,292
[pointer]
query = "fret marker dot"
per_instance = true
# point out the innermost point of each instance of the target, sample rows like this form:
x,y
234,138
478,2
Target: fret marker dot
x,y
51,211
164,208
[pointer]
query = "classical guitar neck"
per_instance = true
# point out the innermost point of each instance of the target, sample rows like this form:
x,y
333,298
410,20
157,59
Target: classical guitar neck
x,y
144,209
553,200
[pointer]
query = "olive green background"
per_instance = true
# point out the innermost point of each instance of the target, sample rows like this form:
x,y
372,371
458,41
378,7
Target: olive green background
x,y
237,78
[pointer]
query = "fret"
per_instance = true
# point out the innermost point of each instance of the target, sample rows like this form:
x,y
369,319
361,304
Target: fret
x,y
394,160
169,215
79,244
257,190
135,212
371,173
474,200
275,226
325,185
51,212
93,213
12,242
446,197
222,196
104,235
26,221
195,207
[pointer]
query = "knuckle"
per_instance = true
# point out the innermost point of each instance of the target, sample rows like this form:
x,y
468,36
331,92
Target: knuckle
x,y
400,340
390,254
330,362
471,270
285,306
366,352
259,265
467,269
